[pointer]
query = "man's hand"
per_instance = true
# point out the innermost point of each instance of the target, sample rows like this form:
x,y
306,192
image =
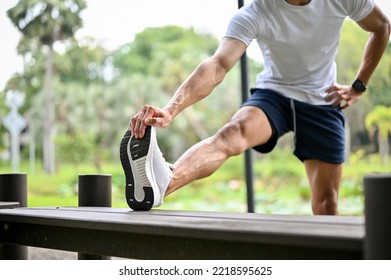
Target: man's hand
x,y
342,96
148,115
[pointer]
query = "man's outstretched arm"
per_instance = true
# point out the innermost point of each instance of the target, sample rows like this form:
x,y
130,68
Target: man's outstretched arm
x,y
210,73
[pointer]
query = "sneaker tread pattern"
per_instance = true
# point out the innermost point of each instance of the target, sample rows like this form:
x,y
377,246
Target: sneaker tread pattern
x,y
138,149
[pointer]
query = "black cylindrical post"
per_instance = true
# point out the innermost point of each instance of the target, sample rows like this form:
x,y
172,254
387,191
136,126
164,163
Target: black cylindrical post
x,y
13,188
94,191
377,192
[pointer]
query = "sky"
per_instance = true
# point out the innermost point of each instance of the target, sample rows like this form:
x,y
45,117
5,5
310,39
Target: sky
x,y
115,22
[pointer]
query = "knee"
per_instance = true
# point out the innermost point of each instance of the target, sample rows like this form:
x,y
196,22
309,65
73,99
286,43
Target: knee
x,y
327,205
231,138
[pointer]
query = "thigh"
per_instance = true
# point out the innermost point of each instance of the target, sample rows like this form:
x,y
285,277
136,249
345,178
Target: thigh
x,y
324,179
277,109
253,125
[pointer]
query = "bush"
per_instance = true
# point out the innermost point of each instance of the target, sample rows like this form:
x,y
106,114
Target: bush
x,y
75,148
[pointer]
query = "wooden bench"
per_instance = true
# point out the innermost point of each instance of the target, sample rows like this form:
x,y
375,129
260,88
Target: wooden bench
x,y
160,234
7,204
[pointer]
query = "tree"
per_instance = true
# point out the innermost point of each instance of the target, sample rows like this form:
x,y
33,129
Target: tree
x,y
43,23
169,52
83,61
379,121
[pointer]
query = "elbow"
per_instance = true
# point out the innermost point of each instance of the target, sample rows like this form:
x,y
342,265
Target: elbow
x,y
381,28
218,70
386,28
220,75
382,33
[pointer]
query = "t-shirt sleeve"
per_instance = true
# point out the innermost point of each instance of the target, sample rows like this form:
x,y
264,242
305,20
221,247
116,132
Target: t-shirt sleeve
x,y
244,25
358,9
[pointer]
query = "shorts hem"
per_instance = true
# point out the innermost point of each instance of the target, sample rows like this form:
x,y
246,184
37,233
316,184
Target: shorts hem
x,y
303,158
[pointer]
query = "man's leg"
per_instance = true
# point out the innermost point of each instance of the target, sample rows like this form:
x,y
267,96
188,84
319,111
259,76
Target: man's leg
x,y
324,179
247,128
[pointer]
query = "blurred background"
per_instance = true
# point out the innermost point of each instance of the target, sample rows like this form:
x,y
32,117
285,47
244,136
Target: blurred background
x,y
74,71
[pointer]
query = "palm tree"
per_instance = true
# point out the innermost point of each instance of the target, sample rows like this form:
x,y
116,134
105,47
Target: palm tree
x,y
44,22
380,118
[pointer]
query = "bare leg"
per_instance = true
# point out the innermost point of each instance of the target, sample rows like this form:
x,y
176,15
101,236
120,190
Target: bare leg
x,y
324,179
248,127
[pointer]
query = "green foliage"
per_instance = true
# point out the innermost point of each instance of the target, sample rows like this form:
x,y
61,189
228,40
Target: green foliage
x,y
42,23
31,80
155,50
75,148
357,156
381,118
48,20
380,85
82,62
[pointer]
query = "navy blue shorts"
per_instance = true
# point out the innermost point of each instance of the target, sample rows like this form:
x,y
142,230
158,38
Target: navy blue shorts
x,y
319,130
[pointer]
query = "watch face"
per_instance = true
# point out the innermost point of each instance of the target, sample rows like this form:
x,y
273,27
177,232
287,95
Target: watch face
x,y
359,86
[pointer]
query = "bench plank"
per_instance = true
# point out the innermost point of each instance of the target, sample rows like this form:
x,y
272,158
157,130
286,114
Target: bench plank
x,y
8,204
184,234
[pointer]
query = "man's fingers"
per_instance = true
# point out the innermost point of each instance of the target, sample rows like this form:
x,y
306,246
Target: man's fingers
x,y
147,116
341,96
344,106
151,121
332,94
137,125
332,89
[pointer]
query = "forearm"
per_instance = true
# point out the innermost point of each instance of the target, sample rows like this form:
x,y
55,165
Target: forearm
x,y
199,85
373,52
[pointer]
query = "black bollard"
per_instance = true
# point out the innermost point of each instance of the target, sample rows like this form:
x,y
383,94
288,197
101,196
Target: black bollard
x,y
13,188
377,192
94,191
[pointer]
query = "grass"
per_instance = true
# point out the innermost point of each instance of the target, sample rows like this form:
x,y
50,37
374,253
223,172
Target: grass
x,y
280,186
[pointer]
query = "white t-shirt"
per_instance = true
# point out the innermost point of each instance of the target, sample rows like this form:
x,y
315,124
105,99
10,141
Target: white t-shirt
x,y
299,43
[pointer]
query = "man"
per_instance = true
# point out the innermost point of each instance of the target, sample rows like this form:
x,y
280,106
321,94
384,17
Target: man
x,y
297,91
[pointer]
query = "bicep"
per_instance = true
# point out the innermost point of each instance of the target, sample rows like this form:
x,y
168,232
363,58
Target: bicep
x,y
229,52
374,21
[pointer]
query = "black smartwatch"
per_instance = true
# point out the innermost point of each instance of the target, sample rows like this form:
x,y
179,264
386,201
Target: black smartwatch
x,y
359,86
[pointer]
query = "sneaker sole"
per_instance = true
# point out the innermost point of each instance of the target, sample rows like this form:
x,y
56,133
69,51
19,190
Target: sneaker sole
x,y
133,155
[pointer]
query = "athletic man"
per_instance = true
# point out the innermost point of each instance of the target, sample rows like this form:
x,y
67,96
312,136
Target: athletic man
x,y
297,91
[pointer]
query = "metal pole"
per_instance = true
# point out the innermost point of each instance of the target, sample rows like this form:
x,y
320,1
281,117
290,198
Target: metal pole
x,y
377,192
94,191
13,188
248,159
